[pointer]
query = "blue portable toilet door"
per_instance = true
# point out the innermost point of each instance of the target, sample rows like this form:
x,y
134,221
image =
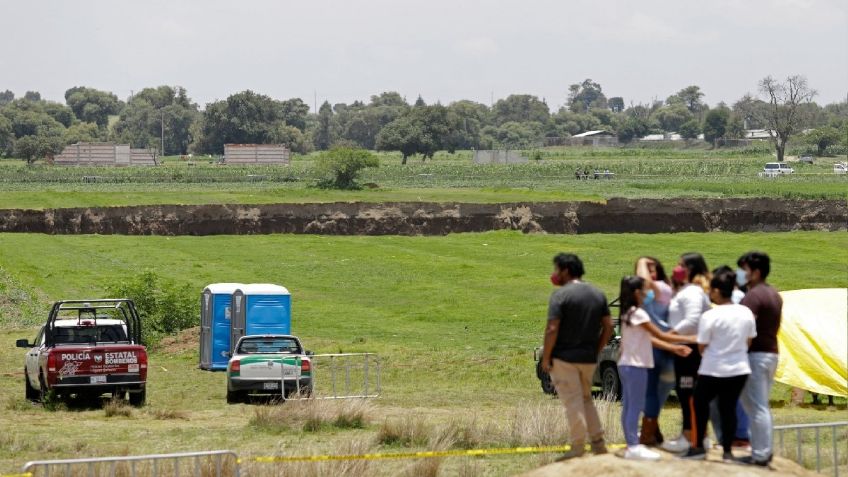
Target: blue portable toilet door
x,y
237,318
268,314
206,329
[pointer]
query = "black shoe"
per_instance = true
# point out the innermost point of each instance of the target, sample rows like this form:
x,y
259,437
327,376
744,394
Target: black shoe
x,y
695,453
750,460
728,458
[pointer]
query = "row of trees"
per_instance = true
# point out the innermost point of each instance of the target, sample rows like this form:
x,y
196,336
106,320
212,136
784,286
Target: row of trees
x,y
165,118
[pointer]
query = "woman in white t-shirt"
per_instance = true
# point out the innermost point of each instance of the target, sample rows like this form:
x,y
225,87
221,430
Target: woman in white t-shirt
x,y
638,338
724,335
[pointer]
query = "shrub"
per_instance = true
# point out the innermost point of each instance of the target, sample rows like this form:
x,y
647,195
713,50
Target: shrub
x,y
117,407
340,167
164,307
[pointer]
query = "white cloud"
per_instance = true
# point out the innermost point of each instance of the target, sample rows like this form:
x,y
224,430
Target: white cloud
x,y
478,46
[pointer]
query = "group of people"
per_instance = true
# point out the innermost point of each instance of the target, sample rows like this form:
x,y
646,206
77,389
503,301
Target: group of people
x,y
709,335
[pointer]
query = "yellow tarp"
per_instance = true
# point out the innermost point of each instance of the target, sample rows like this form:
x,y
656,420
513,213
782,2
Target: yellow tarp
x,y
813,341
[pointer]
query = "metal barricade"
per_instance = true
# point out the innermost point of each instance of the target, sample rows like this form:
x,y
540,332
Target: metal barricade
x,y
222,463
343,376
800,431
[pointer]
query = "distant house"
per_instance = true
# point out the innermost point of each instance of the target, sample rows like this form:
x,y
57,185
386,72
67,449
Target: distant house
x,y
104,154
256,154
757,134
598,137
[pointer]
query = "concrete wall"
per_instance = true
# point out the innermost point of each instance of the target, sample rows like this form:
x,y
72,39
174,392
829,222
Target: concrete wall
x,y
256,154
103,154
498,157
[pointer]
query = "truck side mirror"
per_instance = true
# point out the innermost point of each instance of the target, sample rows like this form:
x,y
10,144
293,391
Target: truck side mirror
x,y
23,343
308,352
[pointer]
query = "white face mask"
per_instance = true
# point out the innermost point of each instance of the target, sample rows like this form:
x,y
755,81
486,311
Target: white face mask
x,y
741,277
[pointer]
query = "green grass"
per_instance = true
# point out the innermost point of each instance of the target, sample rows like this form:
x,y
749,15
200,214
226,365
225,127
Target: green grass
x,y
455,320
640,173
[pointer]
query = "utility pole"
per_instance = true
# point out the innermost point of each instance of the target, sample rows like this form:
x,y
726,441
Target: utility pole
x,y
162,136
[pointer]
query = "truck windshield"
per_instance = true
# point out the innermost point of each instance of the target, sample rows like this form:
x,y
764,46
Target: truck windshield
x,y
89,334
268,345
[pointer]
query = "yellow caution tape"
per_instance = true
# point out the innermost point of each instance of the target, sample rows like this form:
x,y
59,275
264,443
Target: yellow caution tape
x,y
25,474
420,454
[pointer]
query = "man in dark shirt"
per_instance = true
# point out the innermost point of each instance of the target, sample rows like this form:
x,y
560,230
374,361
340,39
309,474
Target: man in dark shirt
x,y
579,325
766,304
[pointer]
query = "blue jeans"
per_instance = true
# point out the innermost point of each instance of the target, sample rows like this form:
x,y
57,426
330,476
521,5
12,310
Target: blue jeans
x,y
755,400
634,381
660,383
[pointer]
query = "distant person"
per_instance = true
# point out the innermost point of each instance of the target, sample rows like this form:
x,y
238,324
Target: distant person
x,y
684,314
579,326
639,336
661,375
724,334
766,305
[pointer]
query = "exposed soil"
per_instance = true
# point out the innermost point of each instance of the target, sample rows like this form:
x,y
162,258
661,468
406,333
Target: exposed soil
x,y
613,466
180,342
427,218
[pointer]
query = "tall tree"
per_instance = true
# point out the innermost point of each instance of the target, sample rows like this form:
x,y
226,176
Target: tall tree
x,y
616,104
690,97
154,112
715,123
324,132
6,97
784,116
586,95
520,108
294,112
91,105
422,130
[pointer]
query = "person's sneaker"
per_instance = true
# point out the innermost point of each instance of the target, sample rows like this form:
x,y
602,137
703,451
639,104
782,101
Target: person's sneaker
x,y
708,443
678,444
750,460
640,452
695,453
599,447
727,458
575,451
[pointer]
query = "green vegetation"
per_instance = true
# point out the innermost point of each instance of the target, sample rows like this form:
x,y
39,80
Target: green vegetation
x,y
455,320
654,172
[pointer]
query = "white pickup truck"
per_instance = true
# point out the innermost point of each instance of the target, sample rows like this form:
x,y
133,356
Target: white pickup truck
x,y
270,365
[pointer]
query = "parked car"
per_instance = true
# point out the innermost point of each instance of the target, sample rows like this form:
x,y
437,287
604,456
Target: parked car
x,y
807,159
606,372
777,168
85,349
269,365
840,168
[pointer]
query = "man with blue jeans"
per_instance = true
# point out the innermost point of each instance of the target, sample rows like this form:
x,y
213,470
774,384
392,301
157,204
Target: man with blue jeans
x,y
766,304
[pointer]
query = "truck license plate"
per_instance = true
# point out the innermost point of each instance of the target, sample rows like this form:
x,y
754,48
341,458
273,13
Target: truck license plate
x,y
98,379
290,372
270,386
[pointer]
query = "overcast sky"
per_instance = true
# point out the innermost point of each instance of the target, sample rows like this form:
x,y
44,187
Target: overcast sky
x,y
442,49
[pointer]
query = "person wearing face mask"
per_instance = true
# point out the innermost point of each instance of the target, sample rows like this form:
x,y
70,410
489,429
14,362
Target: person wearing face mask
x,y
766,305
578,327
724,334
639,336
661,375
684,314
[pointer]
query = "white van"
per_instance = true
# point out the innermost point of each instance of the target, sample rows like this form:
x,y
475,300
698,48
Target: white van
x,y
777,168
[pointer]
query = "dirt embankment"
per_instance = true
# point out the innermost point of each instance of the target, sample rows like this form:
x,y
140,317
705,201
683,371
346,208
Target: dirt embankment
x,y
412,218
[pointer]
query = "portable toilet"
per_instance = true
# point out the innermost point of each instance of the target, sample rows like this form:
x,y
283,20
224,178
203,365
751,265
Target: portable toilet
x,y
260,309
215,325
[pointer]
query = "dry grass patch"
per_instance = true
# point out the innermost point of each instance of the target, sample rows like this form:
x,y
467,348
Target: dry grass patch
x,y
168,414
336,468
311,415
407,431
117,408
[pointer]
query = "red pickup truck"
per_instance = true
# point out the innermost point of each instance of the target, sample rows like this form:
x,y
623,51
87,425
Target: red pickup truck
x,y
88,348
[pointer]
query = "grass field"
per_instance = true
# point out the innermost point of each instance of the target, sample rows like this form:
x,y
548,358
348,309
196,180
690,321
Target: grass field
x,y
454,318
446,178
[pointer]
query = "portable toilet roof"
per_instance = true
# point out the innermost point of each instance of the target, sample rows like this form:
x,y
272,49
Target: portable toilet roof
x,y
221,288
262,289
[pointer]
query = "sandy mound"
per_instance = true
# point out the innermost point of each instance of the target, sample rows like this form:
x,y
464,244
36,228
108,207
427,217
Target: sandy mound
x,y
669,466
185,340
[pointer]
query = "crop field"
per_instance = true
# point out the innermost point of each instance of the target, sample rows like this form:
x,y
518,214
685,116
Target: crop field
x,y
639,173
454,319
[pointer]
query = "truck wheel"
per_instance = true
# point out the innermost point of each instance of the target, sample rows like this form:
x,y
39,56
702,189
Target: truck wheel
x,y
31,392
138,399
545,380
610,383
43,393
234,397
